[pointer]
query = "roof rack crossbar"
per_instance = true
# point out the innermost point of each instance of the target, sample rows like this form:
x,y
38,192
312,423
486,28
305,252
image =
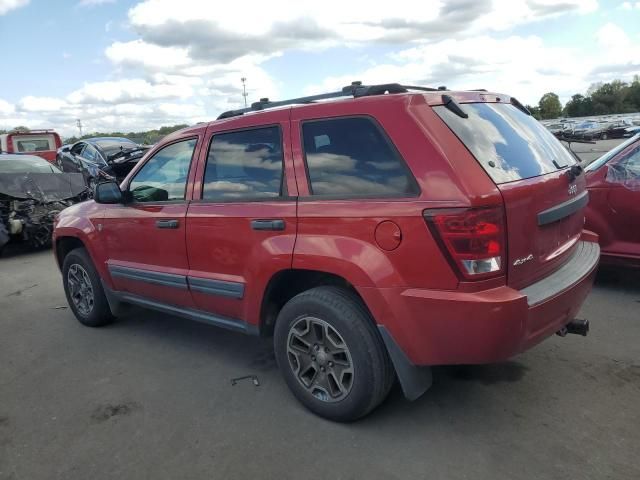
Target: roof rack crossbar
x,y
356,90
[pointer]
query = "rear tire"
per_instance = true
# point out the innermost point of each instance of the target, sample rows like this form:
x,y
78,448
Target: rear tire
x,y
604,136
84,291
331,354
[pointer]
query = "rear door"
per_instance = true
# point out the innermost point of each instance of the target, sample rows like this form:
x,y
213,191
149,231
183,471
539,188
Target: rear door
x,y
544,196
241,224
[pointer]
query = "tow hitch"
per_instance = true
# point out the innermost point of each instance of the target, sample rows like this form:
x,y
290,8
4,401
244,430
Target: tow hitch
x,y
576,326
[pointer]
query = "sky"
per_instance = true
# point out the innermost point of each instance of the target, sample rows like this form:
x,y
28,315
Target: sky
x,y
123,65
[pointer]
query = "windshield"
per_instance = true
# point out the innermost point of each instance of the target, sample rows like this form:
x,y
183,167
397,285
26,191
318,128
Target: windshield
x,y
610,154
509,144
114,145
26,164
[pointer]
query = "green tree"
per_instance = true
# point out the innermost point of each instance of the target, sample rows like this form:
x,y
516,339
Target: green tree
x,y
535,111
550,106
579,106
610,98
148,137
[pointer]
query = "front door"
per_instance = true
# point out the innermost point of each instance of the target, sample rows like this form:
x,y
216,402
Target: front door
x,y
145,238
241,224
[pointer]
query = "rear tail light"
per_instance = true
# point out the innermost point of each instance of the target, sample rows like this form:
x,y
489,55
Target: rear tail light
x,y
474,239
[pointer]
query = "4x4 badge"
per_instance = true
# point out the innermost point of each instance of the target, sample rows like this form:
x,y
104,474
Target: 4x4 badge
x,y
522,260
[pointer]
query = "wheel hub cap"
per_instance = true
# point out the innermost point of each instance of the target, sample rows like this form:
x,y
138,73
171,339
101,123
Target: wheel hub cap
x,y
80,289
320,359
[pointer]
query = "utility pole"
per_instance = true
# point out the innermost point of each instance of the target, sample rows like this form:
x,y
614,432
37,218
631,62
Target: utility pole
x,y
79,125
244,89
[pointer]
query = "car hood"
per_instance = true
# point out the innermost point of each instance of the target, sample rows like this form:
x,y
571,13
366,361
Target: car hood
x,y
44,187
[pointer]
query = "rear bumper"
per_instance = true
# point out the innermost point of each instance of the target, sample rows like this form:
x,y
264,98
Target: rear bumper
x,y
452,327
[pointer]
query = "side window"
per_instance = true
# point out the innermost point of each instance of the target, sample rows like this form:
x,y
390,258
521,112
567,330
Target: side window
x,y
244,165
352,156
77,148
89,152
626,171
164,176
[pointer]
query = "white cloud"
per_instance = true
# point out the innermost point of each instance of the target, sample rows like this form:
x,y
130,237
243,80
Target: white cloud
x,y
6,108
41,104
525,67
7,5
139,53
123,91
630,5
93,3
612,36
214,34
186,58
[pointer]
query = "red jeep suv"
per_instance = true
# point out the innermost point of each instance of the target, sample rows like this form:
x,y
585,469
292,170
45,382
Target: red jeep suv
x,y
373,231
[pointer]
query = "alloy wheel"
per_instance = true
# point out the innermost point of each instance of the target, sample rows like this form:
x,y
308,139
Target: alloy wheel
x,y
320,359
80,289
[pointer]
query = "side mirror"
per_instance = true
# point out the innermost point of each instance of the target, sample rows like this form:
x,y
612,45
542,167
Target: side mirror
x,y
108,192
65,149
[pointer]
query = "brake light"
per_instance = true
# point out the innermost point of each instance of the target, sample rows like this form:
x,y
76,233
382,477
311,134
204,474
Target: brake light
x,y
474,239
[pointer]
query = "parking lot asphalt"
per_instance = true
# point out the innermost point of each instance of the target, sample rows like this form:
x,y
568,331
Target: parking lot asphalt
x,y
150,397
588,152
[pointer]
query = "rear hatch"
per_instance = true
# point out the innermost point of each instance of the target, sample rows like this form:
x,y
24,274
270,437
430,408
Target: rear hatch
x,y
541,183
42,144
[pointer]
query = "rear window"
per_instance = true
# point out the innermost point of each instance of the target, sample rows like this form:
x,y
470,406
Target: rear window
x,y
353,157
29,143
509,144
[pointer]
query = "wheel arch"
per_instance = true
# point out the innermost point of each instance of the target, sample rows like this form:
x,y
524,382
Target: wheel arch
x,y
286,284
64,245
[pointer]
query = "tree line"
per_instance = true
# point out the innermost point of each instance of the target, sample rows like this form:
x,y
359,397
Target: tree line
x,y
600,99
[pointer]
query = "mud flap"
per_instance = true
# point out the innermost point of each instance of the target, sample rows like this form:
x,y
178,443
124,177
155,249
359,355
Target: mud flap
x,y
414,379
115,305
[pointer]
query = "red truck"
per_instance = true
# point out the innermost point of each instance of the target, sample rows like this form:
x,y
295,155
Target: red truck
x,y
373,232
43,143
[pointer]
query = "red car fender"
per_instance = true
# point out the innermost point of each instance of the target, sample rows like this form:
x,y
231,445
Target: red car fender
x,y
82,227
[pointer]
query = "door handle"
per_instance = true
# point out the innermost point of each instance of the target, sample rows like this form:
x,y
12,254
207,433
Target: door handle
x,y
167,223
268,224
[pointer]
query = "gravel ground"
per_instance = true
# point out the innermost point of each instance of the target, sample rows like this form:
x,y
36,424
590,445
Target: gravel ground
x,y
150,397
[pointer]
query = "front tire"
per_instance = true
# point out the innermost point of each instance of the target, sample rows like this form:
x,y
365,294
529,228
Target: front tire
x,y
331,354
84,291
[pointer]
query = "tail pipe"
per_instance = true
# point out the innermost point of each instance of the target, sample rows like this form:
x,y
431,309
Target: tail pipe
x,y
576,326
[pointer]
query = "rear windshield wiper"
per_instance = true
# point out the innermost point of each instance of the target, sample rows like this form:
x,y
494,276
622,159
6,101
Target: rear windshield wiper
x,y
450,104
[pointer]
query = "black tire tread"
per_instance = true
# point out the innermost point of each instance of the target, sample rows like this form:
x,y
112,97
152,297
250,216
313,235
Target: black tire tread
x,y
350,308
101,314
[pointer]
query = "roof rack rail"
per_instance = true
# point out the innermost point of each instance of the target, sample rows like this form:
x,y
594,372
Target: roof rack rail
x,y
355,90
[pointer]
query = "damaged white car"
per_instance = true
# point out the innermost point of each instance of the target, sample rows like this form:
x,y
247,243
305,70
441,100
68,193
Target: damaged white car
x,y
32,192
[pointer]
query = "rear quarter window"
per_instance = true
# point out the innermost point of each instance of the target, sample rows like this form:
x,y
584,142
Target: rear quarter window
x,y
353,157
509,144
30,143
